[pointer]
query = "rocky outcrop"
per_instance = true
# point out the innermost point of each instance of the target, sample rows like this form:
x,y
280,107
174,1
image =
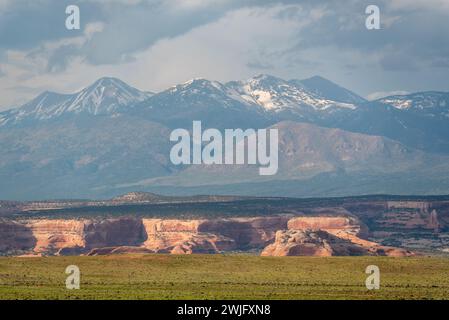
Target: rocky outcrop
x,y
69,237
433,221
15,237
54,235
204,243
323,244
409,220
323,223
76,236
326,236
298,243
247,232
166,234
187,236
114,232
310,243
279,235
183,237
422,206
109,236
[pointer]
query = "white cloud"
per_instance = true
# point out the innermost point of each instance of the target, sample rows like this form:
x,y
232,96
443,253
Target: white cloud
x,y
221,50
383,94
92,28
290,41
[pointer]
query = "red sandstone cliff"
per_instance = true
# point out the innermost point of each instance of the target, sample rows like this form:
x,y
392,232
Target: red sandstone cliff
x,y
15,237
187,236
279,235
326,236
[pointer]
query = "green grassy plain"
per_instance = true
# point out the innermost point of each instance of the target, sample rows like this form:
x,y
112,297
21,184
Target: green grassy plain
x,y
223,277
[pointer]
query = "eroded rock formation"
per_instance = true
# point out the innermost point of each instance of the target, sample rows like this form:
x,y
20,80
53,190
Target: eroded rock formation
x,y
66,237
279,235
326,236
310,243
15,237
247,232
54,235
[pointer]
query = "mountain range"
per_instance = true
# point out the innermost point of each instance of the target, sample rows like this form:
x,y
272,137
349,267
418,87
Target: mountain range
x,y
111,138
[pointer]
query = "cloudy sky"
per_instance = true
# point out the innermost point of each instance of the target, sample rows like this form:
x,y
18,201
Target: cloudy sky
x,y
154,44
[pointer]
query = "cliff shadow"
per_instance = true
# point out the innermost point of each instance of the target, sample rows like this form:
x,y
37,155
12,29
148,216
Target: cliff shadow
x,y
15,238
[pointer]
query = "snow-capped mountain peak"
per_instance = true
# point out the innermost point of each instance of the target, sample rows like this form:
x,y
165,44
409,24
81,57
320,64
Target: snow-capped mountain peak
x,y
198,84
104,96
264,80
431,103
275,94
419,100
265,94
198,92
44,101
329,90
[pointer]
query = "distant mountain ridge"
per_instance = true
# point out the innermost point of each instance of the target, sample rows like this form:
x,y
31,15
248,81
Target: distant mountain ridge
x,y
431,102
104,96
111,138
275,94
330,90
263,93
306,150
264,97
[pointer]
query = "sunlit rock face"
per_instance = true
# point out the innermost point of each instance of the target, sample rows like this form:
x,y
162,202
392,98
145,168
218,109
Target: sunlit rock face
x,y
283,235
326,236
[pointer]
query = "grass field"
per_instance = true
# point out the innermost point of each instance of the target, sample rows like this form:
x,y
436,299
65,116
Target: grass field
x,y
223,277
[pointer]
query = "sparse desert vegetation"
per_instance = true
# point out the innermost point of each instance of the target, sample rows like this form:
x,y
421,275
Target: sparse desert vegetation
x,y
159,276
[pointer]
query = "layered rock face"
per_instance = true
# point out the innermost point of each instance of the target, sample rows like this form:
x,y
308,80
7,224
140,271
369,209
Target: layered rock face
x,y
326,236
279,235
334,225
204,243
48,236
67,237
183,236
114,232
15,237
310,243
165,234
247,232
298,243
53,235
317,223
211,236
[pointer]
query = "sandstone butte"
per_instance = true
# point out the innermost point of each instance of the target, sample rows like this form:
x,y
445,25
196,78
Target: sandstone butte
x,y
283,235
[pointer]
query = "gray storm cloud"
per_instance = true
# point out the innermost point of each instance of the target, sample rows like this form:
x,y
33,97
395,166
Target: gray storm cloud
x,y
155,44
